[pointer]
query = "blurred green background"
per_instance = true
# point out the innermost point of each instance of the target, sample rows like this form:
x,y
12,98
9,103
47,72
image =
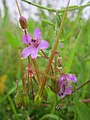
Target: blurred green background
x,y
76,59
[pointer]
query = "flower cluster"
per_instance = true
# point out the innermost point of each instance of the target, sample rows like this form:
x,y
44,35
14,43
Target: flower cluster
x,y
64,84
34,44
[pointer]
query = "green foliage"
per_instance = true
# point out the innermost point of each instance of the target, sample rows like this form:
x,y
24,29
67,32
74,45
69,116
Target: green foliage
x,y
12,40
83,111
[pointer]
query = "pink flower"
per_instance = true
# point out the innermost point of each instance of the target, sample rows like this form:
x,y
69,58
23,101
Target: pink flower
x,y
64,84
34,44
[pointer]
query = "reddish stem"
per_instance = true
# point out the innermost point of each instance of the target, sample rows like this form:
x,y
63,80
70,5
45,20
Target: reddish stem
x,y
37,71
32,90
18,8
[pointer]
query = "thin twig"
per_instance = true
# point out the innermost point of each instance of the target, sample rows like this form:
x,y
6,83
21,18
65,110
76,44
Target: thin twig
x,y
32,90
39,6
18,8
81,86
37,71
35,80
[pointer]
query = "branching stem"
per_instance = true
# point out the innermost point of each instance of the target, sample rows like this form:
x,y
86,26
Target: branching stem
x,y
71,8
53,51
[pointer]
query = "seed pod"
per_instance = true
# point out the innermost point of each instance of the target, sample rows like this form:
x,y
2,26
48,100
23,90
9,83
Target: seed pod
x,y
18,99
23,22
25,101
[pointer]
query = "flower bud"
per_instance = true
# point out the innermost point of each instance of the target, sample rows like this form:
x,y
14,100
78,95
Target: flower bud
x,y
60,61
23,22
61,45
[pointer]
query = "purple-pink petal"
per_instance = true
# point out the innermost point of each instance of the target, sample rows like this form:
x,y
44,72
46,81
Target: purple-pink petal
x,y
26,52
68,90
22,18
60,84
63,77
34,52
72,77
62,95
37,33
43,45
26,39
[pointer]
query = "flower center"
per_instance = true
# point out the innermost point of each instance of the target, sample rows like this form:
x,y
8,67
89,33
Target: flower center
x,y
35,42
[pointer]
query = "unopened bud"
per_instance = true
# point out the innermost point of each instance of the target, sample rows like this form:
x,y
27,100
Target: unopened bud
x,y
29,72
18,47
60,61
23,22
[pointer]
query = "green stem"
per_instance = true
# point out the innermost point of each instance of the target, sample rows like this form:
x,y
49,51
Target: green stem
x,y
71,8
